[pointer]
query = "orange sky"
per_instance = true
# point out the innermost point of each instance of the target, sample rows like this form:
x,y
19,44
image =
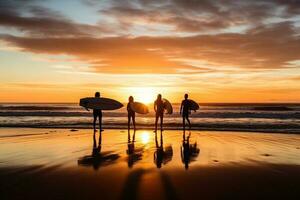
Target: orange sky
x,y
241,51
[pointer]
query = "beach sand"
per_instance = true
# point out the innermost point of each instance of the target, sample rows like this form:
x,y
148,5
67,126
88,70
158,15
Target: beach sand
x,y
65,164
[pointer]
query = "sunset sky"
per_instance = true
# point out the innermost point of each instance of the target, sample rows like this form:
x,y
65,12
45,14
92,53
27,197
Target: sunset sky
x,y
217,51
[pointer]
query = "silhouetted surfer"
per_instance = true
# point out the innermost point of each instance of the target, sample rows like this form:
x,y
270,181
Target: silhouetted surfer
x,y
185,111
131,113
159,111
97,114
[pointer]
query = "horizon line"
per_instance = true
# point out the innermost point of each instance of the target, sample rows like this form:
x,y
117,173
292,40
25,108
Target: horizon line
x,y
296,102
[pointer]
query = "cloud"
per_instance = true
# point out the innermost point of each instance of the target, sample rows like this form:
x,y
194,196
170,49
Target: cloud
x,y
192,16
126,17
40,22
292,6
260,47
37,26
263,47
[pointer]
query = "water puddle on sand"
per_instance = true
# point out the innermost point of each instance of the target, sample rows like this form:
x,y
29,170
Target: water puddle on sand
x,y
144,149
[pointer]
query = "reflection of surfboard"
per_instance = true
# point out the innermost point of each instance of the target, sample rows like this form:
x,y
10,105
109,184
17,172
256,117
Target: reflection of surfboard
x,y
139,107
100,103
168,106
193,105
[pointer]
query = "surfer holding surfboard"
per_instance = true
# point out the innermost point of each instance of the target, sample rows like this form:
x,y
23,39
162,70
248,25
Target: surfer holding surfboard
x,y
159,112
131,113
98,104
185,111
135,107
186,106
97,113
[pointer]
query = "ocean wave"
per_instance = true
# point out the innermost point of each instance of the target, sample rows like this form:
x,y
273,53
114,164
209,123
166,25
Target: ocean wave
x,y
247,117
176,106
36,107
200,114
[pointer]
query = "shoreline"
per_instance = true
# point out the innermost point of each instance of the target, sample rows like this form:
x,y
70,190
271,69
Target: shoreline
x,y
269,131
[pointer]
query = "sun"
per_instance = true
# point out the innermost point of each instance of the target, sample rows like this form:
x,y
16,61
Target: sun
x,y
143,94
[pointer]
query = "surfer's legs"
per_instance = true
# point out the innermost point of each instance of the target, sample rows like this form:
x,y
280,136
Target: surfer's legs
x,y
133,121
128,124
183,123
94,123
129,120
187,118
156,120
161,122
100,123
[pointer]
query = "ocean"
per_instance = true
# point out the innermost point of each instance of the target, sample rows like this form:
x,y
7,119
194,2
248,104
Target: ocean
x,y
284,118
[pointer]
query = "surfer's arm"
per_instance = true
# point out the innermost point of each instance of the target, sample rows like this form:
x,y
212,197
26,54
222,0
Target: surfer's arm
x,y
86,108
154,106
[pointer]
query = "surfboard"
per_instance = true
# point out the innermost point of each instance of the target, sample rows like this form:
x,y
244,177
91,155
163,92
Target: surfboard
x,y
100,103
193,105
139,107
168,106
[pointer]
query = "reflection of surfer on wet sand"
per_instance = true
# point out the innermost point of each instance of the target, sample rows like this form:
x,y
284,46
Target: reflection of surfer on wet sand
x,y
162,155
134,154
98,158
97,149
189,152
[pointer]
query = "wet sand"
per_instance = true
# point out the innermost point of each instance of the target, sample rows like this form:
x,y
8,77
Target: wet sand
x,y
65,164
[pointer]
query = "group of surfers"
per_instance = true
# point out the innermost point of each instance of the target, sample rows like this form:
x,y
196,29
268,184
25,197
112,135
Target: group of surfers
x,y
159,109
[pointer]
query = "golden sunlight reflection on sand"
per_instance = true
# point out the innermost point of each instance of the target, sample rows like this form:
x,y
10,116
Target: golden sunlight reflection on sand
x,y
46,147
145,137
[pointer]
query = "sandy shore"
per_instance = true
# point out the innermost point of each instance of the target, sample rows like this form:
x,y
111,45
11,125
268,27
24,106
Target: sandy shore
x,y
64,164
